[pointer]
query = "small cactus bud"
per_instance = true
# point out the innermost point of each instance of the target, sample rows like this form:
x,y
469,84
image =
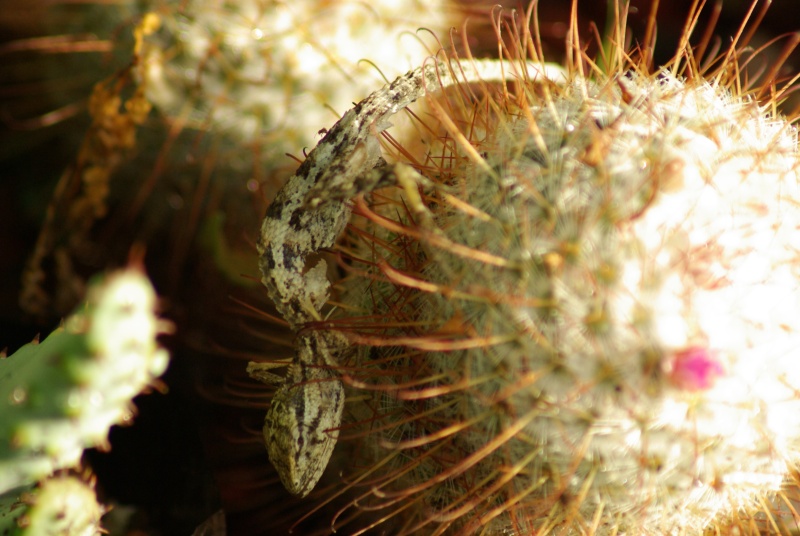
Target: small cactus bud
x,y
694,369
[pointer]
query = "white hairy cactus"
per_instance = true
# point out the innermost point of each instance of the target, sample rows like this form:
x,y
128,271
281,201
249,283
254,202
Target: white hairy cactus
x,y
277,72
578,311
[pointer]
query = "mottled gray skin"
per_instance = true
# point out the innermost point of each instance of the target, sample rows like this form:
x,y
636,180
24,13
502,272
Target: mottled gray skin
x,y
307,215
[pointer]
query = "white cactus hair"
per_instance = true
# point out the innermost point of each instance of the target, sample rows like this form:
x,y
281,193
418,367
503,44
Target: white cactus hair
x,y
579,313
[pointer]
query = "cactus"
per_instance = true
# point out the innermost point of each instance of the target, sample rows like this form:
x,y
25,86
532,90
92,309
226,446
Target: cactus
x,y
61,395
59,506
235,85
577,312
270,73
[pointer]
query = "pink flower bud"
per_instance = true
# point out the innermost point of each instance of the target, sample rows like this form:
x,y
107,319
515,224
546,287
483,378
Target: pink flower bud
x,y
695,368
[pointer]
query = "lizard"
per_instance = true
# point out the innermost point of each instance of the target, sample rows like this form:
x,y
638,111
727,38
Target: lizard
x,y
308,214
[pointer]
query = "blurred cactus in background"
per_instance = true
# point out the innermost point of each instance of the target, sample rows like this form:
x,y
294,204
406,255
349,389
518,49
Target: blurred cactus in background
x,y
274,73
61,396
235,86
63,505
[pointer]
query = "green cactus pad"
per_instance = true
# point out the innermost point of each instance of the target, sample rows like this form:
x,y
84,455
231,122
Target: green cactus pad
x,y
62,395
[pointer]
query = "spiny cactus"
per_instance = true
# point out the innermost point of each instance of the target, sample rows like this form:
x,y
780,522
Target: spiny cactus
x,y
599,316
59,506
577,312
271,72
61,395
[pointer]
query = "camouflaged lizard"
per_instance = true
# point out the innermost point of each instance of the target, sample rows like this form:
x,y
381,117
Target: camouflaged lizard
x,y
307,215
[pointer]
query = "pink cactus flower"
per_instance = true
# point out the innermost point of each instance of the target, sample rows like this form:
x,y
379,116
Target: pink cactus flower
x,y
695,369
